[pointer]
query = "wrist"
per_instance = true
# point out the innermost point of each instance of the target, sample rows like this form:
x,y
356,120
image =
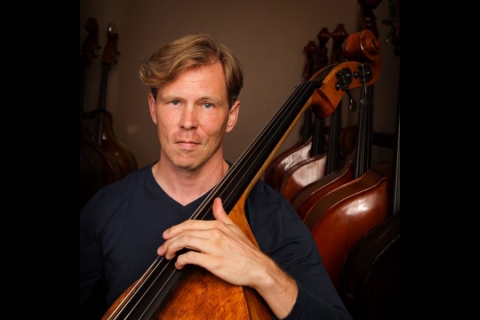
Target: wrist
x,y
278,289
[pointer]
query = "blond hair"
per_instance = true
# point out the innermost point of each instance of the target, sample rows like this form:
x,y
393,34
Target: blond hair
x,y
192,51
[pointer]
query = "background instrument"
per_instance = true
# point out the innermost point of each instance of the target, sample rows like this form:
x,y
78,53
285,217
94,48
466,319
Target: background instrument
x,y
103,133
306,175
371,271
97,166
338,220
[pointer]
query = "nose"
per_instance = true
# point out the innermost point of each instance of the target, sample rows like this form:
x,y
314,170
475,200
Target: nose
x,y
189,118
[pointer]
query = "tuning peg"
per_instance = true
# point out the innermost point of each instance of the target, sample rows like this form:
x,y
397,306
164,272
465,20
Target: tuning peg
x,y
365,75
344,77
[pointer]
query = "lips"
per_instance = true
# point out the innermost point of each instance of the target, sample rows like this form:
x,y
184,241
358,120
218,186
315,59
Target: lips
x,y
187,144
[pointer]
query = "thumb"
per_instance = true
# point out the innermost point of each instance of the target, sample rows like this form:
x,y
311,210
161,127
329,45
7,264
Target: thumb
x,y
219,212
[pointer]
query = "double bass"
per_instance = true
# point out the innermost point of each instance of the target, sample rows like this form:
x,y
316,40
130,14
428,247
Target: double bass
x,y
295,175
97,166
91,167
103,133
167,293
354,155
371,270
339,219
312,142
321,163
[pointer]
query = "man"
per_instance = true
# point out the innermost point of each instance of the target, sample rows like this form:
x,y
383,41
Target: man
x,y
195,82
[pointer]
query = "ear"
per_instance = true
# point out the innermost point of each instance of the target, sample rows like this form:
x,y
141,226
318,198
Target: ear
x,y
153,107
233,116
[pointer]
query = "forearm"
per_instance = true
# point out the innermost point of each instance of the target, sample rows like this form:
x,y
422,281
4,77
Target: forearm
x,y
278,290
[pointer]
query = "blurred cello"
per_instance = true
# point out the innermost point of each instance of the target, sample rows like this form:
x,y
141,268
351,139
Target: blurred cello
x,y
97,167
302,151
164,292
306,173
91,167
371,270
336,173
103,133
348,212
349,138
371,273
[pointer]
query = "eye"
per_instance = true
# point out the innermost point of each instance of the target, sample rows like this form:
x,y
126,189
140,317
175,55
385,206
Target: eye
x,y
175,102
207,105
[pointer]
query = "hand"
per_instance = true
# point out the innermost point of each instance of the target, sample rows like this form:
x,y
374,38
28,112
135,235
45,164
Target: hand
x,y
222,248
217,245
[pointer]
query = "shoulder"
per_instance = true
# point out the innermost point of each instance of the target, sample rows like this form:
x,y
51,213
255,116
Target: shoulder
x,y
262,193
268,211
267,199
115,189
278,229
113,195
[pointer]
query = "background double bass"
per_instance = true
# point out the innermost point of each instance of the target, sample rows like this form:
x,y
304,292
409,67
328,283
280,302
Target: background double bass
x,y
306,173
103,158
345,214
97,166
103,132
371,271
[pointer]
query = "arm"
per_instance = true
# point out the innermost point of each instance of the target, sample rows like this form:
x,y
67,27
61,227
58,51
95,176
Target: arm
x,y
289,243
221,247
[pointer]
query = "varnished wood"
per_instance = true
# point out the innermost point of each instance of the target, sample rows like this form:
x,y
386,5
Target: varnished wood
x,y
303,174
321,163
371,273
344,215
270,173
303,202
363,46
92,175
104,134
289,160
114,146
111,168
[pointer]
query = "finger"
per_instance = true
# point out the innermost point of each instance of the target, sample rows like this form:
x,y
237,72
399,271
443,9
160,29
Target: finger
x,y
218,213
193,257
195,241
188,225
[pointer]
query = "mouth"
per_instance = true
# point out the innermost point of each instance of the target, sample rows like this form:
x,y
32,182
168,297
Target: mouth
x,y
188,145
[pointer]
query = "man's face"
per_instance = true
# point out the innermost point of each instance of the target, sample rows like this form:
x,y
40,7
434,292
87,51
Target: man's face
x,y
192,116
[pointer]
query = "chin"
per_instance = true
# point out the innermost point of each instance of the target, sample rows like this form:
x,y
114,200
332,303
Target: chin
x,y
186,164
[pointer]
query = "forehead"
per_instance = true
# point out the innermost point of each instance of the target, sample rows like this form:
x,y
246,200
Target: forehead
x,y
209,79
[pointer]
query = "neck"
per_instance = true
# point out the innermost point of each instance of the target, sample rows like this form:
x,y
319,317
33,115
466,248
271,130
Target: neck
x,y
186,185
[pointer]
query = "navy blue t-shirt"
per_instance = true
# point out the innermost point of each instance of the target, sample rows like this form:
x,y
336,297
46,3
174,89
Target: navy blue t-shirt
x,y
121,229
